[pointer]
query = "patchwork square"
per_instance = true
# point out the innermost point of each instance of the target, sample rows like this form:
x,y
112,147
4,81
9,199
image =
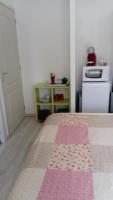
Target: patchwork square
x,y
39,155
66,185
103,186
71,157
100,121
69,119
73,120
102,158
72,135
48,134
28,184
101,136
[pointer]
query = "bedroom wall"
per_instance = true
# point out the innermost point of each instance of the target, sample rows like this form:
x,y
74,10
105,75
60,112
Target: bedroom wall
x,y
94,28
43,36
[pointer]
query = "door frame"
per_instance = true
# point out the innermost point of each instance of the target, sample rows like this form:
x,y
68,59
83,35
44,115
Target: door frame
x,y
73,53
4,133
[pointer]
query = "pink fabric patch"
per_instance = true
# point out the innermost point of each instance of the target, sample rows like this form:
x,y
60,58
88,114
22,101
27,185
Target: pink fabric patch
x,y
66,185
72,135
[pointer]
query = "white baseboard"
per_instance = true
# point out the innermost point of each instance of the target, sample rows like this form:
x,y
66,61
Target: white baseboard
x,y
30,115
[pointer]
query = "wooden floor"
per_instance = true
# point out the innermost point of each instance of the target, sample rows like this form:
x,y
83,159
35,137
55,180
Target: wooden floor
x,y
14,153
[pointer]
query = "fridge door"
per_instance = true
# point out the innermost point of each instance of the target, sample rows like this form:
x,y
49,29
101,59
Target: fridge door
x,y
96,97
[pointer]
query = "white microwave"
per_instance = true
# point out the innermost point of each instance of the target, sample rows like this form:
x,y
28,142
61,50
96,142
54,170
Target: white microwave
x,y
96,74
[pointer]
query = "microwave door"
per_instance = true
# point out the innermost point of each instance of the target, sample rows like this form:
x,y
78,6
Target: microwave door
x,y
94,73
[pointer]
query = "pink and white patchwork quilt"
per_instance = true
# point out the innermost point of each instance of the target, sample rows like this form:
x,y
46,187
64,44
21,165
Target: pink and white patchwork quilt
x,y
72,160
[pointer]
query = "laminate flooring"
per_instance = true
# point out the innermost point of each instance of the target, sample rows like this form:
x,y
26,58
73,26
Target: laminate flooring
x,y
14,153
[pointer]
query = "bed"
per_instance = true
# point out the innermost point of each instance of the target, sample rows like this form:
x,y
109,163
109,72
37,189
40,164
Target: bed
x,y
71,160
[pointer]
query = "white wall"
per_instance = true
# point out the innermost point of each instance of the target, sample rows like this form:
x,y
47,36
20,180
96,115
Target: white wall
x,y
43,36
94,28
8,2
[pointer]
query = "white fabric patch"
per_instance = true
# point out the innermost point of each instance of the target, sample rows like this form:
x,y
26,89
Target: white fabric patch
x,y
103,186
28,184
101,136
48,134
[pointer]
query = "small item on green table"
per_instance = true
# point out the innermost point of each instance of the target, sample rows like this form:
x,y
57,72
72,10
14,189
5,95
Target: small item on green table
x,y
52,77
64,80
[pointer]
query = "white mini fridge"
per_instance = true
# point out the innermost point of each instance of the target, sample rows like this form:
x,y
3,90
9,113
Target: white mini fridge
x,y
96,89
96,97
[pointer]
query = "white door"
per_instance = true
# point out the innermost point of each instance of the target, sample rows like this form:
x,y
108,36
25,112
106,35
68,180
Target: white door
x,y
10,69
